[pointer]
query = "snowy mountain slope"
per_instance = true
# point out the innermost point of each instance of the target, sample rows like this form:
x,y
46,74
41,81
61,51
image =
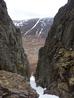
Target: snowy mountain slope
x,y
35,27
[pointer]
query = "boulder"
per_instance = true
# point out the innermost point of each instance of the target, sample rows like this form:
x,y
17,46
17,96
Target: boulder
x,y
13,85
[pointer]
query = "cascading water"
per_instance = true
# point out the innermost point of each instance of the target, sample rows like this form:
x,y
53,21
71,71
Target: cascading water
x,y
39,89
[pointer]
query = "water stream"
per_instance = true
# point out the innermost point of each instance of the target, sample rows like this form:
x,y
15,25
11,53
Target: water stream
x,y
39,89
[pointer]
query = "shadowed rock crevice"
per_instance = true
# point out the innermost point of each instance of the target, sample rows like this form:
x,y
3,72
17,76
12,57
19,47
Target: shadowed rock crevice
x,y
55,68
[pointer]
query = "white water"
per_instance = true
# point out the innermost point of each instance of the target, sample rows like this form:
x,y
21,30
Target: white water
x,y
39,89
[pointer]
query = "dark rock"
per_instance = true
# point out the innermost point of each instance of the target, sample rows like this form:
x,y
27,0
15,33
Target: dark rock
x,y
55,68
12,56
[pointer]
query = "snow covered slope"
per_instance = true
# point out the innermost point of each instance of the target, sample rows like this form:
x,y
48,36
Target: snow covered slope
x,y
37,27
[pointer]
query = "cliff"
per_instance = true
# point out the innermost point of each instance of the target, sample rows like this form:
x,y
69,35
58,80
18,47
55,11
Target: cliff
x,y
12,56
55,68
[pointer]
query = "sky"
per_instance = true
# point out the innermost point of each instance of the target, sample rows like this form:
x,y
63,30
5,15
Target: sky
x,y
26,9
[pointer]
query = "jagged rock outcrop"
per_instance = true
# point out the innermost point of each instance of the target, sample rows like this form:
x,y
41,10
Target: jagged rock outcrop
x,y
13,85
55,69
12,56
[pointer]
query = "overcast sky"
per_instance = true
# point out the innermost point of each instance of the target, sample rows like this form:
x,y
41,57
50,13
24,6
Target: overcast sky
x,y
26,9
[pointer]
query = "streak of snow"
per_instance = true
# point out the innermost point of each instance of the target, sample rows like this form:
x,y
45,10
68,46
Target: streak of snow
x,y
36,33
32,27
40,32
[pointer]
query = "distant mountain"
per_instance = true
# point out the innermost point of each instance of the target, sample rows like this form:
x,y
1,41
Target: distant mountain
x,y
35,27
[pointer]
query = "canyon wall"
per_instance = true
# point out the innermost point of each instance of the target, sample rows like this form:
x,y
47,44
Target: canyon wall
x,y
55,68
12,56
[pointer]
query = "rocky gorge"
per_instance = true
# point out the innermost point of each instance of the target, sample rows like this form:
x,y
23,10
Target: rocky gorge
x,y
55,68
34,33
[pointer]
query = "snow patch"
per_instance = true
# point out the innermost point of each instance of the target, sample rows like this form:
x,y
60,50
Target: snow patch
x,y
39,89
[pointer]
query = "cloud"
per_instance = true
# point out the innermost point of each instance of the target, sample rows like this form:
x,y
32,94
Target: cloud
x,y
21,9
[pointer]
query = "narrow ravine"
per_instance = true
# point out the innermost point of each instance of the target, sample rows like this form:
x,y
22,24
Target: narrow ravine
x,y
39,89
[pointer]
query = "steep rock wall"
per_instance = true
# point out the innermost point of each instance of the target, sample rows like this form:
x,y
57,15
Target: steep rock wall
x,y
55,68
12,56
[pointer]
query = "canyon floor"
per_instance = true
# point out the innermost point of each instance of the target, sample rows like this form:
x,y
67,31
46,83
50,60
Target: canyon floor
x,y
32,45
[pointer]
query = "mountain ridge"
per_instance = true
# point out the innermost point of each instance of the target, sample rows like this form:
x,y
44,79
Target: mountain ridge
x,y
34,26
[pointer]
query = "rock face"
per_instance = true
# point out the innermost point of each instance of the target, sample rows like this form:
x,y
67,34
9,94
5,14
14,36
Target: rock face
x,y
12,56
14,86
55,68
